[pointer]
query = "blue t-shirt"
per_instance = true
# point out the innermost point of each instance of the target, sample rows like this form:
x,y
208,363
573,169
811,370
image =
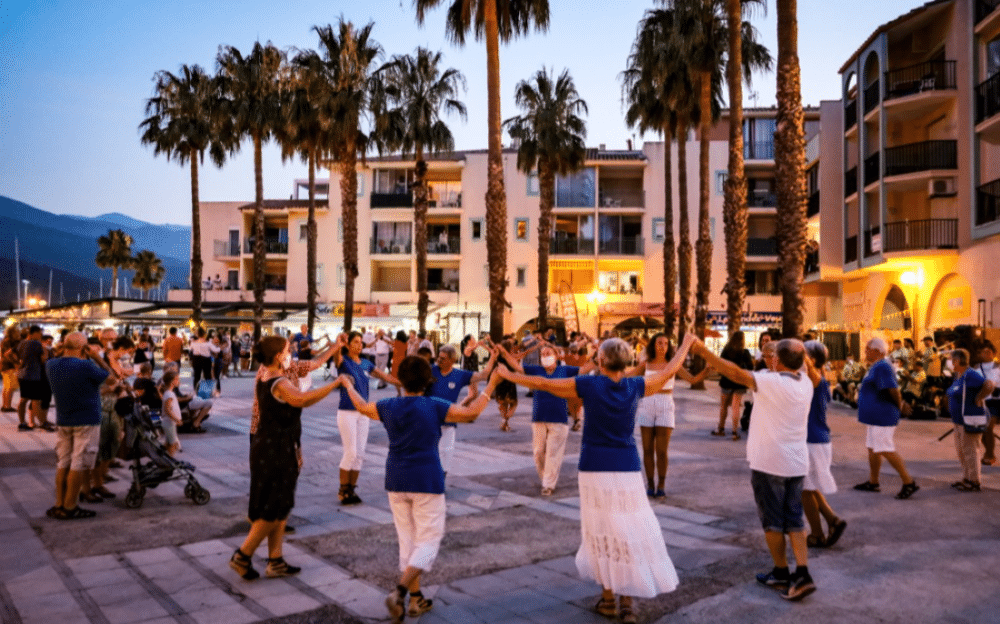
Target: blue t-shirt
x,y
359,371
413,424
609,427
448,386
873,408
546,407
973,382
819,431
298,338
75,386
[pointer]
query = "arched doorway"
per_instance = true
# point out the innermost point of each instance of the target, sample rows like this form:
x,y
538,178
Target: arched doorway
x,y
951,303
895,312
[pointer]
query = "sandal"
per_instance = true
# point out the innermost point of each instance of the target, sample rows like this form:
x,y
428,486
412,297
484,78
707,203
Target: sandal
x,y
243,565
719,432
606,607
909,489
988,462
868,486
90,497
577,425
418,604
54,512
278,567
76,513
816,541
103,492
659,493
736,435
394,603
625,611
836,530
968,486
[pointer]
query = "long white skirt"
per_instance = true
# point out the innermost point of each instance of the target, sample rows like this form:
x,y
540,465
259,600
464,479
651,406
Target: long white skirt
x,y
622,547
819,478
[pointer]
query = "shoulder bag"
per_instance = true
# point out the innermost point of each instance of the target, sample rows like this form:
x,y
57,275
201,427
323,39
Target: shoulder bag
x,y
974,423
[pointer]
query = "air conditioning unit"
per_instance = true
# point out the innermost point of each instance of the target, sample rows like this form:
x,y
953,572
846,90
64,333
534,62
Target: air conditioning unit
x,y
941,187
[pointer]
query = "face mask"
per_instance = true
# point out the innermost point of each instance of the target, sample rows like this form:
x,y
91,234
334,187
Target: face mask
x,y
548,360
286,360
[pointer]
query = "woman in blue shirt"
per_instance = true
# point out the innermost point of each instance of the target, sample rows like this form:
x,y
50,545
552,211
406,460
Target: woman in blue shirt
x,y
353,427
966,399
621,547
413,475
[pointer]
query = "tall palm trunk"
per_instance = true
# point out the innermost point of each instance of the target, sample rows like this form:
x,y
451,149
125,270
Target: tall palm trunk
x,y
704,245
790,180
546,199
420,236
734,211
196,263
258,243
311,245
349,199
669,247
684,249
496,196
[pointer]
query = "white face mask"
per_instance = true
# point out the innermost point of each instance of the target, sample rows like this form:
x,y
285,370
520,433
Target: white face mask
x,y
286,360
548,360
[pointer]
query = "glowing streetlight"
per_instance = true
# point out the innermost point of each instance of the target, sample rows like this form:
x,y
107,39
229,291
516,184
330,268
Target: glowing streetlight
x,y
916,279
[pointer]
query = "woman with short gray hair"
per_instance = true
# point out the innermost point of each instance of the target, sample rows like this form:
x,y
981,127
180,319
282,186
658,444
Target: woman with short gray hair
x,y
621,544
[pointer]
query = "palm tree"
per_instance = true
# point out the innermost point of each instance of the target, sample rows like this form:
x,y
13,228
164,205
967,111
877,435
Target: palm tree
x,y
417,91
114,252
734,208
789,174
348,55
149,271
252,86
183,122
496,21
551,136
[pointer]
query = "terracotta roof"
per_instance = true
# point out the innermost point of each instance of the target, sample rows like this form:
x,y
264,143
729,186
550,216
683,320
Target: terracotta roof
x,y
889,26
272,204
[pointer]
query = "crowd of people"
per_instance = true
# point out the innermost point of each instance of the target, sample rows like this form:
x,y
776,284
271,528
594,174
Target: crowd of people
x,y
609,387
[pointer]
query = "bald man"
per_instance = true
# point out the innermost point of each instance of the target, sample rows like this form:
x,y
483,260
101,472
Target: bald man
x,y
76,378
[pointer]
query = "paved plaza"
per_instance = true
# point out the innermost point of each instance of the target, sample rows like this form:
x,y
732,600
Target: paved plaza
x,y
508,555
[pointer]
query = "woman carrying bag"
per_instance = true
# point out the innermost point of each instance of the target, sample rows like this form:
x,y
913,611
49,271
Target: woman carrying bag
x,y
966,397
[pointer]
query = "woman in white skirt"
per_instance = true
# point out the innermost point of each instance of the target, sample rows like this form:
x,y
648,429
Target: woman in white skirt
x,y
413,475
819,480
622,546
353,427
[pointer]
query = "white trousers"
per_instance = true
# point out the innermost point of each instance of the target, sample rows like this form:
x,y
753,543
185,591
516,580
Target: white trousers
x,y
548,441
446,447
353,428
419,520
381,361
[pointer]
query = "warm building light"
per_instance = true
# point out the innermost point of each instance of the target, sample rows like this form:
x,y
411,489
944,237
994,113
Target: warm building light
x,y
912,278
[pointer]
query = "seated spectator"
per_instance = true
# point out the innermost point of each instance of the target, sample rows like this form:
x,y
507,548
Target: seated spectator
x,y
194,410
913,382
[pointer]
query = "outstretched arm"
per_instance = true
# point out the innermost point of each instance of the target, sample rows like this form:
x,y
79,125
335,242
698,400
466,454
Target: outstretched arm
x,y
655,383
562,388
485,372
725,367
289,393
364,407
462,413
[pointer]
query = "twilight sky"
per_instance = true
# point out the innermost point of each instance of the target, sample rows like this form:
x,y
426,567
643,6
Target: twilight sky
x,y
74,77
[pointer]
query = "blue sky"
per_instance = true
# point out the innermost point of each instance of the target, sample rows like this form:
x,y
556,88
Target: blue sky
x,y
74,77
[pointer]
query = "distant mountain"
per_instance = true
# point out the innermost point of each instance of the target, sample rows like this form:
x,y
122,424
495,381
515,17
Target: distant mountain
x,y
68,244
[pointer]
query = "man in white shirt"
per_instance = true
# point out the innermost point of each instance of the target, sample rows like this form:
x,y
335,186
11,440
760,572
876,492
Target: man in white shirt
x,y
368,340
778,456
990,370
382,348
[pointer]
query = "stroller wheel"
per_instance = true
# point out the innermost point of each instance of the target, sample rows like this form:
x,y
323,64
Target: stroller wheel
x,y
189,490
201,496
133,500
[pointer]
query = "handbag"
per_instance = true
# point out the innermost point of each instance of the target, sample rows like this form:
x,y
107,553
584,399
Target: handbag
x,y
205,388
973,423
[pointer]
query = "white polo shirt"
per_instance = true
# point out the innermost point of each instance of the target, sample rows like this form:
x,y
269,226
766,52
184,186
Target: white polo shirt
x,y
776,443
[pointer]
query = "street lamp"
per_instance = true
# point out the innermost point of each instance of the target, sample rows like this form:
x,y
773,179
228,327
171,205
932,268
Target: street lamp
x,y
916,279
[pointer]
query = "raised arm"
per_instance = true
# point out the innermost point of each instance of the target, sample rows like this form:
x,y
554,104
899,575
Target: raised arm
x,y
289,393
466,413
562,388
725,367
510,359
686,375
386,377
364,407
635,371
320,360
655,383
815,375
485,372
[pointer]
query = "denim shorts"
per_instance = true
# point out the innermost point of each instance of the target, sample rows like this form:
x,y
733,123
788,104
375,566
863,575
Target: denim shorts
x,y
779,501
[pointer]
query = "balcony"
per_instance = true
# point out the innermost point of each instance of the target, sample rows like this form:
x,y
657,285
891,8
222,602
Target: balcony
x,y
873,241
872,169
758,150
873,94
572,246
392,200
984,8
920,78
850,115
622,199
987,107
925,234
812,207
924,156
762,247
623,246
224,249
851,182
761,199
390,247
851,249
439,246
271,246
988,203
812,263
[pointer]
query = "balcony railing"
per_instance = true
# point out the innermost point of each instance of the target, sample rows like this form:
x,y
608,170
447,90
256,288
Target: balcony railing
x,y
873,94
812,207
758,150
988,203
226,249
390,247
873,241
920,78
850,115
984,8
572,246
392,200
988,98
923,234
624,246
812,263
625,198
271,246
762,246
872,169
924,156
851,249
761,199
442,286
851,182
451,246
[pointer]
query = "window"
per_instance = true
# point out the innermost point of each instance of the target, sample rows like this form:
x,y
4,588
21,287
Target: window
x,y
522,276
521,230
392,237
576,190
361,184
659,232
341,278
993,57
319,274
763,282
532,185
233,279
477,229
620,234
619,282
340,229
720,182
303,230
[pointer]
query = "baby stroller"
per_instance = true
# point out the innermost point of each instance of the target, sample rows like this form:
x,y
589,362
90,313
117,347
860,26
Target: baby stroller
x,y
141,441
